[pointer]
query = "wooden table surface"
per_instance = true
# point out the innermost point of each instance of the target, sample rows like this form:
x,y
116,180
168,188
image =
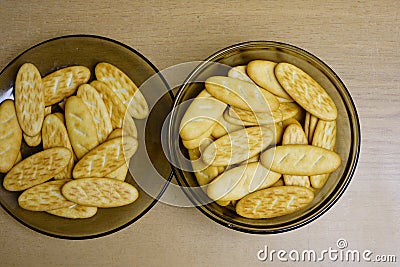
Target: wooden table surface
x,y
360,40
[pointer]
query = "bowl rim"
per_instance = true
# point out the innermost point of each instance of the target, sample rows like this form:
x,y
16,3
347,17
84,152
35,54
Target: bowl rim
x,y
167,180
327,203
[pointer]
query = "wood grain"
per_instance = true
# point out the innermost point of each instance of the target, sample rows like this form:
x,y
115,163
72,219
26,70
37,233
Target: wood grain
x,y
358,39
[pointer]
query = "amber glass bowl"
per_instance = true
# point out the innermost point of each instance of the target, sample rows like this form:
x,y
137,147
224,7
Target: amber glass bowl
x,y
88,50
348,134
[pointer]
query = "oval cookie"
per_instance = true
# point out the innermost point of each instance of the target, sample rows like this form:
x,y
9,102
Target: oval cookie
x,y
241,94
80,126
202,113
294,134
100,192
262,73
239,72
54,134
125,89
98,110
106,157
300,160
63,83
274,201
240,181
44,197
29,99
237,146
306,91
37,169
10,136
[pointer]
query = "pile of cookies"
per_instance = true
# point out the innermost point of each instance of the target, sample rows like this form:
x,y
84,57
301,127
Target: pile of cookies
x,y
87,133
262,139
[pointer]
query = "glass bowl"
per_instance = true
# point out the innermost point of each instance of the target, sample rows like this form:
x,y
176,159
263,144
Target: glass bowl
x,y
348,134
88,50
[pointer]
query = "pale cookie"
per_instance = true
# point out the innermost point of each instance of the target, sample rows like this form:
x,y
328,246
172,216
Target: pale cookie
x,y
233,118
306,91
80,126
106,157
54,134
98,110
100,192
125,89
32,141
44,197
29,99
325,137
274,201
241,94
284,100
37,169
202,113
75,212
19,159
121,172
64,83
223,127
239,72
240,181
294,134
10,136
300,160
313,124
222,203
116,109
257,118
191,144
237,146
262,73
204,173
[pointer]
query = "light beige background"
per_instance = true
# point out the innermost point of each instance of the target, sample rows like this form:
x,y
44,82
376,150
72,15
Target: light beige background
x,y
358,39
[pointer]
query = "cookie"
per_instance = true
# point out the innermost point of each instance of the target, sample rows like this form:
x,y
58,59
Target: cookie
x,y
63,83
257,118
75,212
37,169
240,181
44,197
274,201
32,141
307,124
300,160
10,136
239,72
289,110
97,109
231,117
313,124
19,159
105,158
124,88
80,126
203,173
290,121
100,192
201,114
237,146
262,73
29,99
325,137
116,109
294,134
60,116
121,172
191,144
54,134
306,91
241,94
